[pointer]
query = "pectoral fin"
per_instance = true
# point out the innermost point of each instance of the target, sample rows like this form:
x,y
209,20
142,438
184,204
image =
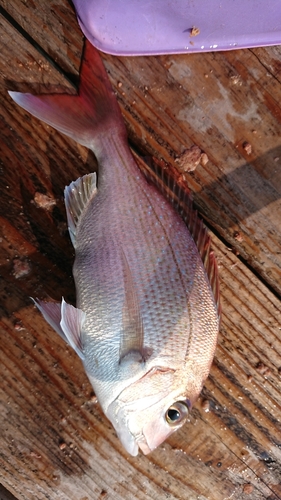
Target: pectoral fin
x,y
66,320
132,334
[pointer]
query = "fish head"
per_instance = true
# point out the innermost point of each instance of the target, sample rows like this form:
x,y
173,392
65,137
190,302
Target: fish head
x,y
148,411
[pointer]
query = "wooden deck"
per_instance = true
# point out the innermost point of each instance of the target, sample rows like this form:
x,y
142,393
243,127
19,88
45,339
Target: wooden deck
x,y
55,441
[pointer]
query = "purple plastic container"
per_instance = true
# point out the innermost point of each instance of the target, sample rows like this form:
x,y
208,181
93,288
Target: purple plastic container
x,y
142,27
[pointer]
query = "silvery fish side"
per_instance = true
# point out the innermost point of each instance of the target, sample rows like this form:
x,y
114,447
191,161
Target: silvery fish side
x,y
147,320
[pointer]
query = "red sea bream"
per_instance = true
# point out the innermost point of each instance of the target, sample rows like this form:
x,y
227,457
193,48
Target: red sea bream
x,y
146,320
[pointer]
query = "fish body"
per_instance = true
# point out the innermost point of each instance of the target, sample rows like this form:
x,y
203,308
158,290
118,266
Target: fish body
x,y
146,320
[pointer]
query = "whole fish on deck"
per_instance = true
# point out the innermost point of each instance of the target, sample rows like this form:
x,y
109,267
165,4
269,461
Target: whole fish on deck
x,y
146,321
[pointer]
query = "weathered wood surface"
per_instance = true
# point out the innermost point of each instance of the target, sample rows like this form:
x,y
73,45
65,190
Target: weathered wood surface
x,y
55,441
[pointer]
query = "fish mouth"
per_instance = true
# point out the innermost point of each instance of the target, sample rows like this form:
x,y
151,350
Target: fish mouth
x,y
133,443
142,444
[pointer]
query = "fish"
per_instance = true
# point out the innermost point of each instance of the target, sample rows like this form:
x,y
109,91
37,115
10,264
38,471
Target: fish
x,y
147,312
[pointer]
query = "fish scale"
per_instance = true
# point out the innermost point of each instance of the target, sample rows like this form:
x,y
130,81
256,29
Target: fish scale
x,y
169,287
146,319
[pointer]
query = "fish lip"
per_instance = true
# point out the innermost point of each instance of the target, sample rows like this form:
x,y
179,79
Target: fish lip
x,y
143,445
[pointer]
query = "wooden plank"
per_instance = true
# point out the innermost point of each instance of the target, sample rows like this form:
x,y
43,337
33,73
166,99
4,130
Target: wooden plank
x,y
56,433
218,101
5,495
56,443
236,192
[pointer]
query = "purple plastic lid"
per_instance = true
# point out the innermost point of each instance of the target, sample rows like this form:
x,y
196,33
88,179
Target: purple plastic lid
x,y
142,27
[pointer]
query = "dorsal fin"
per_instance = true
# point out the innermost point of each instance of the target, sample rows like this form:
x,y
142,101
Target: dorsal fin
x,y
172,185
132,334
77,196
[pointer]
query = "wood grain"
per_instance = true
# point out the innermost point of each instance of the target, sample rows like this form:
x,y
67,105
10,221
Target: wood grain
x,y
55,441
218,101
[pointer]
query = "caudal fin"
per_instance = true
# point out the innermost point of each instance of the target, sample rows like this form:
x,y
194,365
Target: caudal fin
x,y
85,116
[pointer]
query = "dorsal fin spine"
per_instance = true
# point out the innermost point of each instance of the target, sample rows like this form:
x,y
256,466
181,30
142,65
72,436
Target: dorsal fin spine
x,y
170,183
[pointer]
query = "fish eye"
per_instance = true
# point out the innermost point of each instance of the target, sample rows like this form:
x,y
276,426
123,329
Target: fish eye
x,y
177,413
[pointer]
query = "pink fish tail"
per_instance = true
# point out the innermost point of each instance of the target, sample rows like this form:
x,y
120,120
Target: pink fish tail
x,y
83,117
